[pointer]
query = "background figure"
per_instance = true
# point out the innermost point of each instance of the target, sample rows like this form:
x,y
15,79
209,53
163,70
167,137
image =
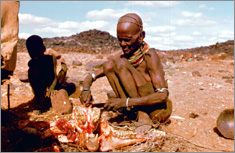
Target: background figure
x,y
45,73
9,37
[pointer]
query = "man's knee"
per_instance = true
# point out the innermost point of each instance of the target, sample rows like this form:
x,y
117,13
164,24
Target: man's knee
x,y
109,66
121,64
63,71
64,67
161,115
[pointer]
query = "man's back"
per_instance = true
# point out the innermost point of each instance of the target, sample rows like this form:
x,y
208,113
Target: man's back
x,y
41,72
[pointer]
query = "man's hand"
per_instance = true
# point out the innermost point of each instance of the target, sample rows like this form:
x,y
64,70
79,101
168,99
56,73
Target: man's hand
x,y
115,103
86,97
48,92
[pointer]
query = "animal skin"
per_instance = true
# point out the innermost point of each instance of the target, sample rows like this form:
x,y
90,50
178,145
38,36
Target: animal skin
x,y
110,138
80,129
85,121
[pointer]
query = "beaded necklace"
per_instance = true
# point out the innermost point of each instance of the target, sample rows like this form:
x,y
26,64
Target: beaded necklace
x,y
138,56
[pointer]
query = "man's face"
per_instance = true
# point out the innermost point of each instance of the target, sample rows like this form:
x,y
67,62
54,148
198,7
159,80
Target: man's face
x,y
128,37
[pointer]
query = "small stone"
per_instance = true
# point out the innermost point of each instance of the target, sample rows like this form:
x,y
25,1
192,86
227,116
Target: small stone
x,y
77,63
229,81
60,102
30,130
189,60
196,73
99,56
200,83
24,78
221,71
221,56
200,59
189,55
193,115
227,77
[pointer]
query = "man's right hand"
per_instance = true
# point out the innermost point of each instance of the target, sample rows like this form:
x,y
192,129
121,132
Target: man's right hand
x,y
86,97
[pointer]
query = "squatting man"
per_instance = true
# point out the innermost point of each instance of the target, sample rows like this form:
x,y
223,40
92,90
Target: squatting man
x,y
136,77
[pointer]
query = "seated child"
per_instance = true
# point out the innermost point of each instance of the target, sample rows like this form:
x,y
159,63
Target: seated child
x,y
42,73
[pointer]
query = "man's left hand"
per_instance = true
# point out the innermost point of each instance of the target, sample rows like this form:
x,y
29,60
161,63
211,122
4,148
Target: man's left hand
x,y
114,103
48,92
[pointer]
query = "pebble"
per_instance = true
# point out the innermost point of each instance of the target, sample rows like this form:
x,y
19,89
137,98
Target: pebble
x,y
60,102
196,73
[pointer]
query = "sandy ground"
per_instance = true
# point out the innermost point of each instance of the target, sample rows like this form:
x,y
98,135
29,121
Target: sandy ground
x,y
197,101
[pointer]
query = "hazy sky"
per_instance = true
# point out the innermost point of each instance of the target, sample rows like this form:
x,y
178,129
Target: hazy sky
x,y
168,24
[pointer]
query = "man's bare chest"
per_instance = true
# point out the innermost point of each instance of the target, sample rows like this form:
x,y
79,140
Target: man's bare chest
x,y
144,70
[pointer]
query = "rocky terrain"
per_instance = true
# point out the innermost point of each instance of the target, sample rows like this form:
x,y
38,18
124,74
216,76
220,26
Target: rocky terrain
x,y
96,41
200,80
92,41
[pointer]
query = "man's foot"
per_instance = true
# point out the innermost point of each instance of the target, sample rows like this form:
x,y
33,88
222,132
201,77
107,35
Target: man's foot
x,y
143,119
144,123
142,130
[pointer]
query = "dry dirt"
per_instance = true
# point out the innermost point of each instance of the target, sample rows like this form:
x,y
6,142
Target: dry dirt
x,y
197,102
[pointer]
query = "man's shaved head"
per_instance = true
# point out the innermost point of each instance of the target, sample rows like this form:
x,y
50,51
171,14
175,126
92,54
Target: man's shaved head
x,y
131,18
130,33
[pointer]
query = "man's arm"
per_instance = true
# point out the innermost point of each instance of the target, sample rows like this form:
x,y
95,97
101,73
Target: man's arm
x,y
99,73
152,99
86,93
157,75
155,69
52,87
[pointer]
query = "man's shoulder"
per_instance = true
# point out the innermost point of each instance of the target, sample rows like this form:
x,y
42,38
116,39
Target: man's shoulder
x,y
152,52
153,55
47,56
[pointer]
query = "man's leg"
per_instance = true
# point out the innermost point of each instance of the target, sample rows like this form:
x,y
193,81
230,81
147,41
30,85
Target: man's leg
x,y
130,78
62,73
161,115
136,86
62,84
38,87
113,79
9,35
156,114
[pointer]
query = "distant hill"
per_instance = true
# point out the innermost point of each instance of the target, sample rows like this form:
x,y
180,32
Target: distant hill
x,y
223,47
96,41
92,41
